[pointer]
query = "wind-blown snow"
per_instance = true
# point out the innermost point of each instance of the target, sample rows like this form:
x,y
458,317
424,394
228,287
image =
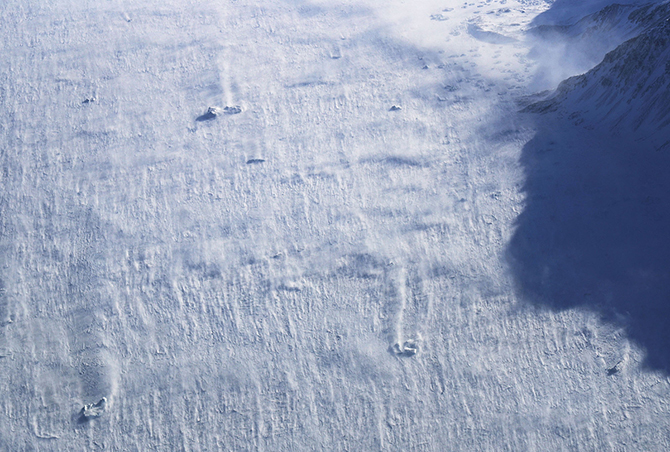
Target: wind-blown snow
x,y
308,269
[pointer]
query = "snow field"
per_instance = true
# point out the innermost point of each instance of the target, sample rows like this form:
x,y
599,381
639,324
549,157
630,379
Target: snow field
x,y
239,283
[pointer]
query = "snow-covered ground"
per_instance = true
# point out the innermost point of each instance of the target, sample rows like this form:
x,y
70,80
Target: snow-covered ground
x,y
322,268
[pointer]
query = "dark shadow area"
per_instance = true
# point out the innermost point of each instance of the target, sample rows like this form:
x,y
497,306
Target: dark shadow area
x,y
595,232
206,117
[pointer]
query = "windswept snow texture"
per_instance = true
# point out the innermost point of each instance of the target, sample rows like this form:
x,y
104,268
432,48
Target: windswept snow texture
x,y
218,234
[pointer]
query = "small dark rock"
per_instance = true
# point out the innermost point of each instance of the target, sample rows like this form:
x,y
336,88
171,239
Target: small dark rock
x,y
615,369
234,110
93,410
212,113
407,349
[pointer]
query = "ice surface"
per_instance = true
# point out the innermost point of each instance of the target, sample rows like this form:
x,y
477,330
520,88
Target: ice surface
x,y
313,272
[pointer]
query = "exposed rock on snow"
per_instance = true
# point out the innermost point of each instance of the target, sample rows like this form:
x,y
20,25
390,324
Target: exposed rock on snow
x,y
408,348
213,112
234,110
93,410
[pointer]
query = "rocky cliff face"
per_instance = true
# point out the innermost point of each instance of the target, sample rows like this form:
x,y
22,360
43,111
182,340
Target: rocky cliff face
x,y
629,89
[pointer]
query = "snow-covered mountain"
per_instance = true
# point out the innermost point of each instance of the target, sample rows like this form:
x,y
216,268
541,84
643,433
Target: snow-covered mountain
x,y
594,229
568,12
630,88
564,49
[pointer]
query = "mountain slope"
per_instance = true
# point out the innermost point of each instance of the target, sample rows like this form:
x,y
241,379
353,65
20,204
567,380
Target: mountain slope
x,y
629,89
564,49
593,233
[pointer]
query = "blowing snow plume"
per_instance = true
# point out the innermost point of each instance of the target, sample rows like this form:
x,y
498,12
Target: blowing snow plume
x,y
571,38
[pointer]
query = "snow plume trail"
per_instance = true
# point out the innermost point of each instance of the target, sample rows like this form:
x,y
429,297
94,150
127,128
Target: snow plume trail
x,y
398,299
91,308
572,37
563,49
409,309
227,82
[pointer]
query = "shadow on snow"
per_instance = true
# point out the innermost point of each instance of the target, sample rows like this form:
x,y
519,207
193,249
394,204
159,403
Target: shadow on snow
x,y
595,231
